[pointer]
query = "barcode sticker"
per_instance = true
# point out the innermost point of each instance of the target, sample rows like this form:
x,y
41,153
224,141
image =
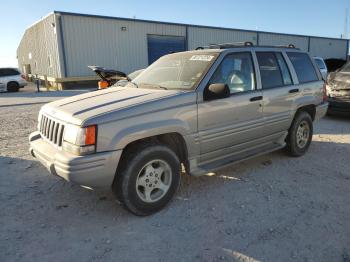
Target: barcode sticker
x,y
201,57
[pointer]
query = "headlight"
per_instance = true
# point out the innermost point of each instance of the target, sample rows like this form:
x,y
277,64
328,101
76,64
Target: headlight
x,y
79,140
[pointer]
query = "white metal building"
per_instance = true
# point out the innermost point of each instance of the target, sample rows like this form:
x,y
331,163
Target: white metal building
x,y
61,45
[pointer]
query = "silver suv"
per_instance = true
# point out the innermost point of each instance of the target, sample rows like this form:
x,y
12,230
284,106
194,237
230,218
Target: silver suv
x,y
190,112
11,80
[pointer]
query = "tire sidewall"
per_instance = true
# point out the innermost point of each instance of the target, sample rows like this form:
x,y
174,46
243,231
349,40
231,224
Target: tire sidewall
x,y
12,87
296,150
130,196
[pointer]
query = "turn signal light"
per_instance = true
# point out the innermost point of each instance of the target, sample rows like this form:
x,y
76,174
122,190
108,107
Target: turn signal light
x,y
102,84
90,135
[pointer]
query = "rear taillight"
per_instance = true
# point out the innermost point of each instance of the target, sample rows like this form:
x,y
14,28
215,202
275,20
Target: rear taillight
x,y
325,97
23,76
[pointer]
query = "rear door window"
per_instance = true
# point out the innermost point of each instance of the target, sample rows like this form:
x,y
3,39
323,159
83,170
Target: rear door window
x,y
270,72
287,79
303,67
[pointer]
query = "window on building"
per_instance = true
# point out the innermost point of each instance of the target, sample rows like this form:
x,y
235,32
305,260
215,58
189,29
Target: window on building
x,y
303,67
237,71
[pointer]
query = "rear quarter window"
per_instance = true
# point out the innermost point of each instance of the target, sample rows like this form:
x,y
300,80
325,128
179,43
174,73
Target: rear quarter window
x,y
320,63
303,67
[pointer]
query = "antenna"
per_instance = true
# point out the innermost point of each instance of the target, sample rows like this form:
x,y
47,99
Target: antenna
x,y
345,35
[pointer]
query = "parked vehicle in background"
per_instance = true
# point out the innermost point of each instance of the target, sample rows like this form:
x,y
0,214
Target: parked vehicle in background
x,y
195,111
110,77
338,91
322,66
11,80
334,64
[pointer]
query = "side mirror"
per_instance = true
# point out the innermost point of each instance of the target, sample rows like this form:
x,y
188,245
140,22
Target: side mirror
x,y
216,91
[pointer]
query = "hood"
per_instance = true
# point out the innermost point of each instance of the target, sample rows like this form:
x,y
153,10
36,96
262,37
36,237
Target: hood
x,y
339,80
77,109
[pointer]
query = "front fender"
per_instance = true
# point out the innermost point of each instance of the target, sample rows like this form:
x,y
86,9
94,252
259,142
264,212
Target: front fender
x,y
136,132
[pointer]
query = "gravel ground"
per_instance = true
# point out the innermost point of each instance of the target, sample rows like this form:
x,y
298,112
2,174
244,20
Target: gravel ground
x,y
271,208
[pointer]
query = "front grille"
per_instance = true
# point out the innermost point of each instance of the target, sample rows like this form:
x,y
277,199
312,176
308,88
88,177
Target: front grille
x,y
51,130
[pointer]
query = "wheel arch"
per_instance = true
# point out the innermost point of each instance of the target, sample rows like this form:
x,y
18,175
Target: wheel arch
x,y
12,81
310,109
174,140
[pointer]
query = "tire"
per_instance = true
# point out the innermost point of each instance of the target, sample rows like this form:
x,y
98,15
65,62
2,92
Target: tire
x,y
12,87
144,171
300,135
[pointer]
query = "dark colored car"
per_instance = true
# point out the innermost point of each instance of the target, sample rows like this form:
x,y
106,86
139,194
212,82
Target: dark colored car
x,y
338,91
334,64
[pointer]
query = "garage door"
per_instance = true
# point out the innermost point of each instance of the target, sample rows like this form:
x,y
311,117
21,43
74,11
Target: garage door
x,y
159,45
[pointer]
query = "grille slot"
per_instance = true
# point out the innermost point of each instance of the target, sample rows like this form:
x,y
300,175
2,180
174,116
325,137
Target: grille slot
x,y
51,130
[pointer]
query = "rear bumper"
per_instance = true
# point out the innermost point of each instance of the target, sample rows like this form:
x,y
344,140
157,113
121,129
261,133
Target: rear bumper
x,y
339,106
321,111
95,170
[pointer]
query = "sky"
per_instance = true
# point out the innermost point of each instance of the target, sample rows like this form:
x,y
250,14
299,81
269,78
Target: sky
x,y
306,17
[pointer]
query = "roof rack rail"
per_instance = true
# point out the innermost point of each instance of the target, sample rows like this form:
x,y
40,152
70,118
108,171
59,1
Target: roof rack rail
x,y
225,45
240,44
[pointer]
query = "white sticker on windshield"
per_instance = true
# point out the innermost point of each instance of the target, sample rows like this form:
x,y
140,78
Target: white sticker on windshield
x,y
201,57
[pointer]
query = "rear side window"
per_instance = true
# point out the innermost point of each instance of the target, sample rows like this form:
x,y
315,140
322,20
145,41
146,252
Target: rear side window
x,y
320,63
287,79
271,75
8,72
303,67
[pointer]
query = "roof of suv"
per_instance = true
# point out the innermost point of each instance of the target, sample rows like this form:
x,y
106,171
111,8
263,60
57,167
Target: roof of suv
x,y
243,45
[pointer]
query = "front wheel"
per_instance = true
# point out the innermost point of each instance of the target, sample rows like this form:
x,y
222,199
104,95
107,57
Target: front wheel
x,y
300,135
148,178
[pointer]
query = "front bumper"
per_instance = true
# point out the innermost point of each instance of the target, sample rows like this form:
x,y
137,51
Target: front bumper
x,y
321,111
95,170
339,106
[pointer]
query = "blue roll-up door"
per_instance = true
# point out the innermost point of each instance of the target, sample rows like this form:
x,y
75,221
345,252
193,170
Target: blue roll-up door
x,y
159,45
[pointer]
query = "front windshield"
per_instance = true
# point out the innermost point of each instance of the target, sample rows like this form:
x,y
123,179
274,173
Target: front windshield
x,y
346,68
176,71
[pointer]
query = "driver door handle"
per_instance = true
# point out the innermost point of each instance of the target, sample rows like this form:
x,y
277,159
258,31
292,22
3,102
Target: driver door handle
x,y
256,98
294,90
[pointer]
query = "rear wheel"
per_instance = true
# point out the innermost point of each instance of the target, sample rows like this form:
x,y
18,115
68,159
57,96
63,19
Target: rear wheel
x,y
148,178
12,87
300,135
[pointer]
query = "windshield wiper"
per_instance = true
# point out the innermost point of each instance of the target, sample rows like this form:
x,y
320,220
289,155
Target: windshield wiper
x,y
162,87
154,86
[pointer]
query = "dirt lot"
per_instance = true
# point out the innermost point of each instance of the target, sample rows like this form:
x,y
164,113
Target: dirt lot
x,y
271,208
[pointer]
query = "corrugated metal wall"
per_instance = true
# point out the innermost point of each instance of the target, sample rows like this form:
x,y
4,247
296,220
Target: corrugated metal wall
x,y
110,43
328,48
201,36
278,39
38,46
77,41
